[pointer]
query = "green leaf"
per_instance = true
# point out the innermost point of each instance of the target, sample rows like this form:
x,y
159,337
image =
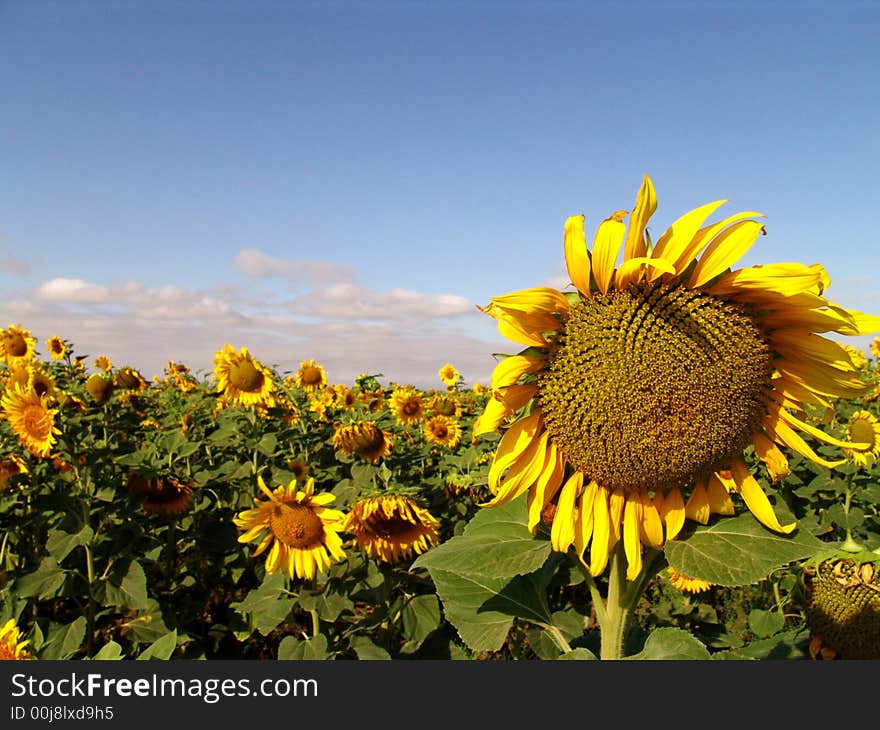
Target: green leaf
x,y
420,617
268,605
328,603
111,651
268,444
128,590
64,640
162,648
59,543
366,649
738,551
765,623
671,643
293,648
496,543
579,654
148,625
43,583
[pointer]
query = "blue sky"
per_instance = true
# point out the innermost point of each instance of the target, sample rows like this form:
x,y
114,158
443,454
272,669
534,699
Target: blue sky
x,y
345,181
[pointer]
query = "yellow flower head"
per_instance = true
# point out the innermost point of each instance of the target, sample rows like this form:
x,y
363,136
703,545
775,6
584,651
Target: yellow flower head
x,y
364,439
391,527
311,375
243,380
649,380
102,362
407,405
442,431
31,419
297,527
10,466
448,374
17,345
857,356
863,428
11,645
685,583
57,347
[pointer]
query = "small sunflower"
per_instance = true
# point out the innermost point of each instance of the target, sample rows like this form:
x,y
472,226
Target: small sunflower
x,y
17,345
42,383
11,645
445,405
57,347
875,347
448,374
10,466
442,431
479,388
243,380
100,387
646,383
364,439
302,531
685,583
31,419
102,362
407,405
391,527
857,356
311,375
863,428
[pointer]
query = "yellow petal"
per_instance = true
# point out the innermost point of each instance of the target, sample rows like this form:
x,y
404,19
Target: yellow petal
x,y
632,546
646,205
510,369
786,279
817,433
509,328
583,527
513,443
769,453
697,507
725,250
755,499
577,258
515,397
523,472
631,270
600,544
616,503
494,414
675,242
606,248
780,431
562,531
673,513
652,526
720,502
546,486
798,345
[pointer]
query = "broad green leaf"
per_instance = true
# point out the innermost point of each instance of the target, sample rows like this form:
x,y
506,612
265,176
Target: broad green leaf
x,y
765,623
419,617
111,651
268,444
496,543
293,648
579,654
738,551
64,640
162,648
129,589
786,645
267,605
59,543
148,625
43,583
482,609
366,649
329,604
671,643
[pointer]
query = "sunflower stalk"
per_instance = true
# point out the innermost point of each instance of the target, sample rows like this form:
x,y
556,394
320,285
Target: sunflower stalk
x,y
850,544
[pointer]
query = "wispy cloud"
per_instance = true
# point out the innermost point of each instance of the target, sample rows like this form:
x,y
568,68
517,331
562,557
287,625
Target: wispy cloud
x,y
406,335
10,264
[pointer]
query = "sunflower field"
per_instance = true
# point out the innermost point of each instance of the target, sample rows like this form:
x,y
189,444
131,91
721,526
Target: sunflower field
x,y
676,464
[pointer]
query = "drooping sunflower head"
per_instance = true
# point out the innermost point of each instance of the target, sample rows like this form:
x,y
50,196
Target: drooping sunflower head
x,y
31,419
128,378
448,374
11,645
17,345
391,527
166,496
100,387
445,405
243,380
863,428
57,347
299,468
407,405
442,431
311,375
842,608
638,391
364,439
297,527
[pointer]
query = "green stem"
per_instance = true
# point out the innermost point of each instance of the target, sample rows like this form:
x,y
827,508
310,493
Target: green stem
x,y
90,610
850,545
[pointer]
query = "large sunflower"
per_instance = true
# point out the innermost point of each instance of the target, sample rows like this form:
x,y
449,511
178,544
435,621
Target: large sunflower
x,y
638,392
302,532
407,405
31,419
243,380
391,527
311,375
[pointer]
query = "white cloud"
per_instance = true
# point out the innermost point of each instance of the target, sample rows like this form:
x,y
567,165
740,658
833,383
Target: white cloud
x,y
255,263
72,290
